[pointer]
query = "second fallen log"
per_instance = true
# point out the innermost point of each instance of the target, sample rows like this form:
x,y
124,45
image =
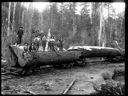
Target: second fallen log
x,y
97,51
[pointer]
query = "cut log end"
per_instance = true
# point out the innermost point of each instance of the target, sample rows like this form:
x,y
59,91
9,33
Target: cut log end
x,y
11,57
15,57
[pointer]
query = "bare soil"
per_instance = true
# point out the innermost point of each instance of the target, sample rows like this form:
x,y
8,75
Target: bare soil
x,y
55,81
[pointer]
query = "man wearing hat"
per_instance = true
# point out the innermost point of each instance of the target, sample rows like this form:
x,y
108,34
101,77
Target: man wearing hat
x,y
19,35
44,42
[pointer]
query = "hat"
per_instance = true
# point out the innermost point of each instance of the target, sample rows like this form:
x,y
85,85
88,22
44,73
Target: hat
x,y
21,27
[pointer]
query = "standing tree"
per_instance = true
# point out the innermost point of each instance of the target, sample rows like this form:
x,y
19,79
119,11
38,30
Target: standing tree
x,y
22,20
13,23
74,19
41,16
9,10
91,12
74,26
30,22
95,23
101,24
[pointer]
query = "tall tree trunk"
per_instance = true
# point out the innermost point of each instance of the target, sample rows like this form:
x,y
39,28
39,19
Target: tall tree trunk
x,y
31,27
25,20
23,17
41,15
39,23
8,35
30,22
121,27
9,10
111,25
104,35
14,16
51,23
91,11
101,21
115,37
74,20
19,15
108,35
62,17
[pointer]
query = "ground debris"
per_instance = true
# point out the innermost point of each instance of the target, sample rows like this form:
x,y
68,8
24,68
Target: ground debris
x,y
69,87
45,82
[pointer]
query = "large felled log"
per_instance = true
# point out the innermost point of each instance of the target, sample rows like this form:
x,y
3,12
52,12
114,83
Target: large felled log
x,y
51,57
41,58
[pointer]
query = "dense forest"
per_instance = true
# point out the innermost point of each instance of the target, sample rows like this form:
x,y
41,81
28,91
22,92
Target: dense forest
x,y
89,27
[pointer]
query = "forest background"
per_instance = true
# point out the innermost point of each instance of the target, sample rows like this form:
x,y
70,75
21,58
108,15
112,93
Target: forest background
x,y
89,26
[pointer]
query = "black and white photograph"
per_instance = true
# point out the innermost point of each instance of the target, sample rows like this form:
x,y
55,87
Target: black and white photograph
x,y
63,48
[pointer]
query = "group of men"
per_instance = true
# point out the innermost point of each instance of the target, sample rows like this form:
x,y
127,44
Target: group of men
x,y
53,44
39,42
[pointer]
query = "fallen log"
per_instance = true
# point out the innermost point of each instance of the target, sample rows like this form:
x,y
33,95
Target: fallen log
x,y
41,58
97,51
44,58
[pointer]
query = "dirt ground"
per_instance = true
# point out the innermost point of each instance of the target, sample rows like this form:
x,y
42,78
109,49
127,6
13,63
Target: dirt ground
x,y
55,81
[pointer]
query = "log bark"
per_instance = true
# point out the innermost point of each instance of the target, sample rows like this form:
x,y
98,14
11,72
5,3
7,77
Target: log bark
x,y
42,58
96,51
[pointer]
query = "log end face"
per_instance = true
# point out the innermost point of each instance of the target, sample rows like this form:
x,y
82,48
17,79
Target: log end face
x,y
18,51
11,57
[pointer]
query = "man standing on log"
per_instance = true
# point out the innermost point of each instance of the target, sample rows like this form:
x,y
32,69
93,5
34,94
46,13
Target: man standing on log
x,y
43,42
19,35
26,50
37,42
61,44
52,44
32,47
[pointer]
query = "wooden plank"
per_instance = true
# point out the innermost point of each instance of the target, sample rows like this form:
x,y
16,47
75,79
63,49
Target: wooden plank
x,y
69,87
